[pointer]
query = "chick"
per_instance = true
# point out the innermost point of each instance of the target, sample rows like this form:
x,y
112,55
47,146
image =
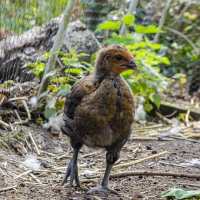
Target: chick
x,y
99,111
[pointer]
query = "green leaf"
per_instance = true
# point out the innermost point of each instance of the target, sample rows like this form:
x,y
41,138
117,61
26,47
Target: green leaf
x,y
76,71
49,112
129,20
51,102
165,60
127,73
148,106
63,90
146,29
155,98
120,39
109,25
154,46
37,68
181,194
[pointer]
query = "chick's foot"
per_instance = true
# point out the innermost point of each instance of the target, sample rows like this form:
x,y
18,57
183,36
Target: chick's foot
x,y
72,174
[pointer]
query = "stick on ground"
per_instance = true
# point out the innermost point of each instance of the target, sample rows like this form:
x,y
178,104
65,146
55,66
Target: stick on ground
x,y
140,160
148,173
22,174
8,188
34,144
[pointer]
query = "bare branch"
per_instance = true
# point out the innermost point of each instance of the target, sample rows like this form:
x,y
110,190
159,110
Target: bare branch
x,y
132,9
162,19
185,38
56,46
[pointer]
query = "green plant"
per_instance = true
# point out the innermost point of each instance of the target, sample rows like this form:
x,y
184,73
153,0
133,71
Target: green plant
x,y
69,68
181,36
19,15
177,194
148,81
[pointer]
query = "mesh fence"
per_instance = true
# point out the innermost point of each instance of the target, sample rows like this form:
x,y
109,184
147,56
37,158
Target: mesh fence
x,y
20,15
23,34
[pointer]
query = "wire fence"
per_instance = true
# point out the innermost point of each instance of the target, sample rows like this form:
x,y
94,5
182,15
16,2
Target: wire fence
x,y
19,20
20,15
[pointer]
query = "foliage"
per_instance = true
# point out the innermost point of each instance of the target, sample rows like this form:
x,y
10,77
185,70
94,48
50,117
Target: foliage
x,y
7,84
176,193
181,52
69,69
95,11
148,81
18,16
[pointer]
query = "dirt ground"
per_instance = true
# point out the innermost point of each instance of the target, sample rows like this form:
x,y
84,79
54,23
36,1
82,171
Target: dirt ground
x,y
18,182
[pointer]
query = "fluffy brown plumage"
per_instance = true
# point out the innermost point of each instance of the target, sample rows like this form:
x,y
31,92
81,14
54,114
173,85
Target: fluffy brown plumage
x,y
99,110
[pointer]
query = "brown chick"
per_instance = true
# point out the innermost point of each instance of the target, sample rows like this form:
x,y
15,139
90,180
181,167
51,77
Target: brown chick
x,y
99,111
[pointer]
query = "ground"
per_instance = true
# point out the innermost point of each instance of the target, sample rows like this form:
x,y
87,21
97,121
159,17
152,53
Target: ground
x,y
54,151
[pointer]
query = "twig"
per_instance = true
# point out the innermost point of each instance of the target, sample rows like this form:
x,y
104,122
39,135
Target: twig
x,y
18,116
4,143
17,98
11,126
27,109
193,136
148,173
22,174
172,164
162,20
34,143
187,121
48,153
59,168
136,150
163,118
62,156
35,178
28,145
56,46
131,10
21,122
190,184
140,160
186,139
8,188
154,126
33,183
2,172
185,38
4,124
133,155
149,139
171,114
91,154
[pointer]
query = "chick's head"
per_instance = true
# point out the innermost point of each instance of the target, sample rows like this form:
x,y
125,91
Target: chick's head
x,y
115,59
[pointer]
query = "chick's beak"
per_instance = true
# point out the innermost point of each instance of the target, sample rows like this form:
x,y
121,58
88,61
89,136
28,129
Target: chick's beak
x,y
131,65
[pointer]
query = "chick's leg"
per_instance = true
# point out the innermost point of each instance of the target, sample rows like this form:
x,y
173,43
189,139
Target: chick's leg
x,y
72,169
112,156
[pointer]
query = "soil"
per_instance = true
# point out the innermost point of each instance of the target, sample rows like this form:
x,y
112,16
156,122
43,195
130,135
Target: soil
x,y
45,182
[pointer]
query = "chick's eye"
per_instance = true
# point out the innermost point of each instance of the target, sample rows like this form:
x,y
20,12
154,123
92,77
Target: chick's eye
x,y
118,58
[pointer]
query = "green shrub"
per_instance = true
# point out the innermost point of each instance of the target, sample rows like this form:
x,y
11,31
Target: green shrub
x,y
147,81
69,69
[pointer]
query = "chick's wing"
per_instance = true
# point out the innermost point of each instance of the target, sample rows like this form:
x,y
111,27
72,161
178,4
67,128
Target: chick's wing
x,y
80,89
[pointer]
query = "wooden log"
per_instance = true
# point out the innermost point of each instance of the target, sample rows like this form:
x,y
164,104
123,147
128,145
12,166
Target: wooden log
x,y
167,107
